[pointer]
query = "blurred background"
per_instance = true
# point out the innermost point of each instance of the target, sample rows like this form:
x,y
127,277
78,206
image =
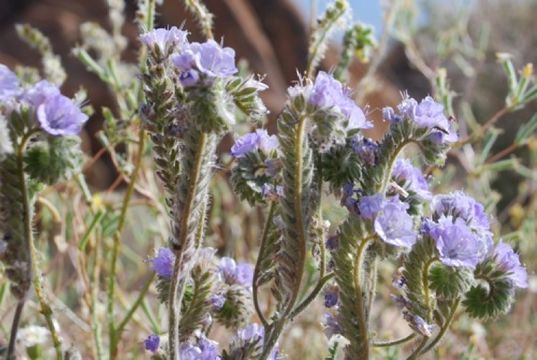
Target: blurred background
x,y
415,39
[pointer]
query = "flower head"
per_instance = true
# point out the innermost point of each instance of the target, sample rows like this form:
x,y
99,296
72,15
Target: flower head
x,y
370,205
208,60
411,178
151,343
366,149
394,225
162,264
257,140
165,39
331,325
458,205
233,273
427,114
327,93
57,114
457,245
331,295
509,261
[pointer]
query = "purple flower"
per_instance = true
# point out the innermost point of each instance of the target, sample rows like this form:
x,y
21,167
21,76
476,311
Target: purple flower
x,y
365,148
57,114
331,296
152,343
217,301
162,264
458,205
258,140
329,94
9,84
427,114
204,349
272,192
411,178
165,39
60,116
331,325
250,333
509,262
208,59
332,243
370,205
457,245
233,273
394,225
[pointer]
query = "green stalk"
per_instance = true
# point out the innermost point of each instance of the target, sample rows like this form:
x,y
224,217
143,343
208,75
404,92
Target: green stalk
x,y
45,308
264,236
444,328
117,244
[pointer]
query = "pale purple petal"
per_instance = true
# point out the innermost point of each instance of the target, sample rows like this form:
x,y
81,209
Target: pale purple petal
x,y
509,261
162,264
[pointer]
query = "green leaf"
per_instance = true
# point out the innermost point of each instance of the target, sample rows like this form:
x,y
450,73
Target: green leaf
x,y
450,283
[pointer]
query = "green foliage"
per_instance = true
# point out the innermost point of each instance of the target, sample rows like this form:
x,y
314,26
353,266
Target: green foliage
x,y
357,42
237,308
54,159
341,165
296,210
494,296
249,176
450,283
246,99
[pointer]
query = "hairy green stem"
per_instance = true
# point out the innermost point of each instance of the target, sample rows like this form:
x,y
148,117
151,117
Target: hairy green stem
x,y
134,306
416,353
394,342
264,236
14,329
312,296
117,244
444,328
359,294
178,280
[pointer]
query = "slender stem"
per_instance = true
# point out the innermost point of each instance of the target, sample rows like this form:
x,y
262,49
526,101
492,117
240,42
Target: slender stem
x,y
135,306
304,304
96,323
485,126
178,280
425,282
415,354
264,236
502,153
444,327
394,342
357,279
14,328
117,244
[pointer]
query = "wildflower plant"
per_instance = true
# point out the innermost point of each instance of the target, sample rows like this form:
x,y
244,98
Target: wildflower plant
x,y
184,97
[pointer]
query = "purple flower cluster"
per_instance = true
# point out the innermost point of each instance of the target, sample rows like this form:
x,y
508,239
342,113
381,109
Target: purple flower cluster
x,y
57,114
208,60
241,273
329,94
331,296
457,245
331,325
411,178
460,228
366,149
203,349
509,262
162,263
165,39
257,140
427,114
151,343
254,333
391,221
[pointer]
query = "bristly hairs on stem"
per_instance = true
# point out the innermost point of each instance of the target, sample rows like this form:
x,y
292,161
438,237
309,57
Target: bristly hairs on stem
x,y
202,15
325,25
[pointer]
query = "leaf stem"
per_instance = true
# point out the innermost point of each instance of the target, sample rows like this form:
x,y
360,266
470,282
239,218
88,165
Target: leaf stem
x,y
444,328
